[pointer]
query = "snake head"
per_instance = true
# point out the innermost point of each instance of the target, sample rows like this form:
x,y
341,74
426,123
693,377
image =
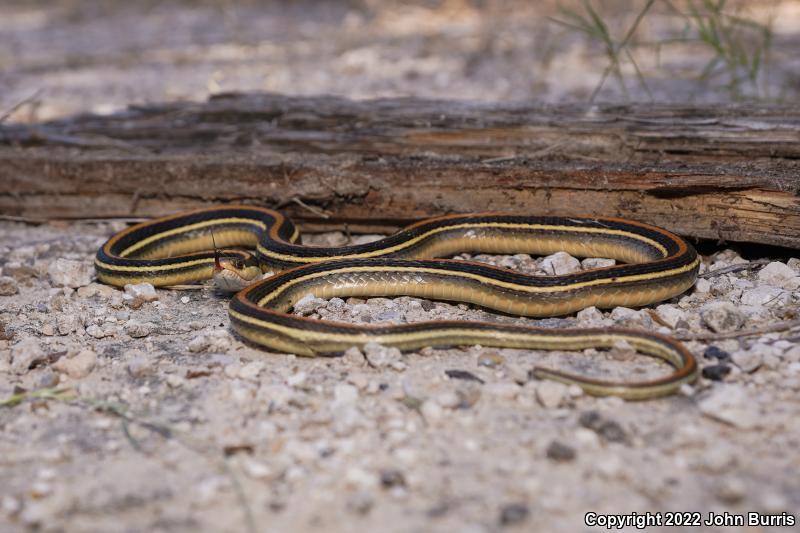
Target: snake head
x,y
234,273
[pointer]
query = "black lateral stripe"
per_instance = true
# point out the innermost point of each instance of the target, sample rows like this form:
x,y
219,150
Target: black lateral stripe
x,y
448,267
402,236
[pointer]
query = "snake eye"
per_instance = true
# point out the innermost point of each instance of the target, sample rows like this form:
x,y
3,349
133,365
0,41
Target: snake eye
x,y
238,264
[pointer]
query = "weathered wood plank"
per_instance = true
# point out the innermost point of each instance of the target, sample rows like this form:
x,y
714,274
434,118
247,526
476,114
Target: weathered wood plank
x,y
728,173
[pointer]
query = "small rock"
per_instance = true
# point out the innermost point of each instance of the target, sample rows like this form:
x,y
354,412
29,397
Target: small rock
x,y
137,295
490,360
431,411
560,263
558,451
622,350
78,366
95,331
344,395
731,403
714,352
251,370
353,357
513,514
721,286
217,340
359,380
136,329
702,286
48,330
68,273
380,356
670,314
175,381
551,393
590,315
96,289
591,263
66,323
139,366
629,317
518,374
297,380
765,296
8,286
607,428
19,272
716,372
731,490
360,503
308,304
722,316
448,399
391,477
256,469
778,274
505,391
47,379
467,397
24,354
198,344
747,360
466,375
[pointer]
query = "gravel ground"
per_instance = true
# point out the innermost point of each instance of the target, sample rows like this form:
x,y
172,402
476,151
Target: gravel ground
x,y
64,57
139,407
137,410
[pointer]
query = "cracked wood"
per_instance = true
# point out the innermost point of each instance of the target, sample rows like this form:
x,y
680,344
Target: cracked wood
x,y
729,173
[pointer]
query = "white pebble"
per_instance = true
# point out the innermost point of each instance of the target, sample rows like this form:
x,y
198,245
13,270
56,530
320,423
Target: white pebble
x,y
703,286
779,275
722,316
590,315
24,354
670,314
138,294
308,304
296,380
560,263
251,370
67,273
747,360
766,296
551,393
596,262
380,356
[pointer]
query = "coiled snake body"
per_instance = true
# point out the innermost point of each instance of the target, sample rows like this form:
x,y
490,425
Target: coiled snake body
x,y
656,265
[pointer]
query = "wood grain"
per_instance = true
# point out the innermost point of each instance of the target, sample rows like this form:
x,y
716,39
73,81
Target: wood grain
x,y
728,173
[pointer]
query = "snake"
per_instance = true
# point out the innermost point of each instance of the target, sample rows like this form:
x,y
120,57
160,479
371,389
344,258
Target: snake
x,y
259,252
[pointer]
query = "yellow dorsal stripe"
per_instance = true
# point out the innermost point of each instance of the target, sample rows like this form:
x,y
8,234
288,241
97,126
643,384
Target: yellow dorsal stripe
x,y
504,225
483,279
191,227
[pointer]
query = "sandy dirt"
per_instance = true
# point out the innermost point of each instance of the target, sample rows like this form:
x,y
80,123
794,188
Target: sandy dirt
x,y
69,57
142,412
137,411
